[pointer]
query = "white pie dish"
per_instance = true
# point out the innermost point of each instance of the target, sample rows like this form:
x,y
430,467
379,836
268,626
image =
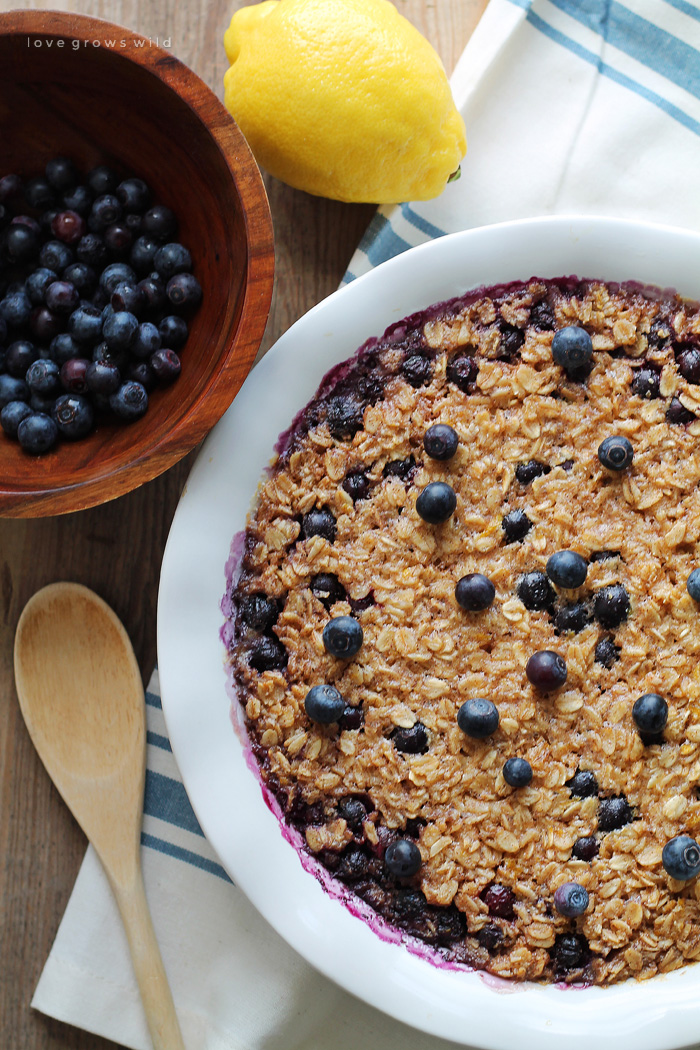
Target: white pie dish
x,y
454,1004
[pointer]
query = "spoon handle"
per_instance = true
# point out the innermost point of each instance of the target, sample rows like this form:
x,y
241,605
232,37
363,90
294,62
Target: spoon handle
x,y
148,965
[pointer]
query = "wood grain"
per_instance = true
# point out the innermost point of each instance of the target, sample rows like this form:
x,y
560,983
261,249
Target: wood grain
x,y
116,549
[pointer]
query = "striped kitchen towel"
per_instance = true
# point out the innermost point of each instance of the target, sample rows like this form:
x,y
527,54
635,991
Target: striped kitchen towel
x,y
588,106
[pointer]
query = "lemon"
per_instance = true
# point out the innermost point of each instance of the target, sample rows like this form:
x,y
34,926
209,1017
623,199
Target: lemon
x,y
343,98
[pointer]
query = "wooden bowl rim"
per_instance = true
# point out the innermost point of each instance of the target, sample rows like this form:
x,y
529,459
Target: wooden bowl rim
x,y
259,272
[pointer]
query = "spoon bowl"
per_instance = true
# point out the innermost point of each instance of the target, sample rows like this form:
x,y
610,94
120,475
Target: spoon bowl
x,y
82,699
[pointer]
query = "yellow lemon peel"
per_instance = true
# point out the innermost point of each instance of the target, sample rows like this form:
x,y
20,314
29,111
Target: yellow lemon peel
x,y
343,98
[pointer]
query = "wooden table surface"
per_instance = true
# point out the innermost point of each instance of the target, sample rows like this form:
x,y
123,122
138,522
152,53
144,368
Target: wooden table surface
x,y
116,549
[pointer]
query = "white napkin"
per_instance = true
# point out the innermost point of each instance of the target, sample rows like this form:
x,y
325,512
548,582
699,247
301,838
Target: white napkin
x,y
586,106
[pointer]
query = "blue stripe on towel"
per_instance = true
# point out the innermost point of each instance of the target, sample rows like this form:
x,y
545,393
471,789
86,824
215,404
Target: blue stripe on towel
x,y
153,700
381,242
183,854
613,74
420,223
642,40
688,9
158,741
167,799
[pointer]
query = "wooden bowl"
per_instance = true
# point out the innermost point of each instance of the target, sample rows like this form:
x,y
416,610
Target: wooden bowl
x,y
98,93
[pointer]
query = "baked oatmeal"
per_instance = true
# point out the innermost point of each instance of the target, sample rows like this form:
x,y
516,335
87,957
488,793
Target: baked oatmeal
x,y
465,629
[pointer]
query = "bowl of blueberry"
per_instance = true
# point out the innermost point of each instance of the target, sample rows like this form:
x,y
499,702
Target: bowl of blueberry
x,y
136,262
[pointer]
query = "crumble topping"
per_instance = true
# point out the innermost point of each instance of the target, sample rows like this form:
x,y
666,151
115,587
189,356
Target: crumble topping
x,y
336,533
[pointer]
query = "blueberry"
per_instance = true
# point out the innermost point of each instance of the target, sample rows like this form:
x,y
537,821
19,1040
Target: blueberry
x,y
115,274
128,298
400,468
91,249
257,611
614,813
12,414
693,585
56,256
73,375
646,384
173,331
102,179
60,173
344,416
437,502
402,858
536,592
118,239
62,297
130,401
42,403
20,243
73,415
512,339
102,354
39,193
318,522
356,485
462,371
15,309
677,413
20,355
572,348
37,283
475,592
37,433
546,670
516,526
119,330
328,589
68,226
64,348
105,210
611,606
585,848
688,362
142,254
604,555
85,324
78,199
324,704
413,741
146,341
570,952
571,900
141,372
527,472
342,636
606,652
417,370
490,937
134,194
160,223
616,452
681,858
44,324
165,365
353,811
172,259
567,569
478,718
542,316
267,654
650,713
156,300
43,378
517,772
573,617
184,291
499,900
440,441
82,276
352,718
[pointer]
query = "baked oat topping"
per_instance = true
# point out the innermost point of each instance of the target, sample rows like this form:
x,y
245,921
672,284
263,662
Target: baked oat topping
x,y
551,586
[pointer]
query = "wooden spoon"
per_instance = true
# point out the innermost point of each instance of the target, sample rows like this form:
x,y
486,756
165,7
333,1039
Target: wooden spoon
x,y
82,699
